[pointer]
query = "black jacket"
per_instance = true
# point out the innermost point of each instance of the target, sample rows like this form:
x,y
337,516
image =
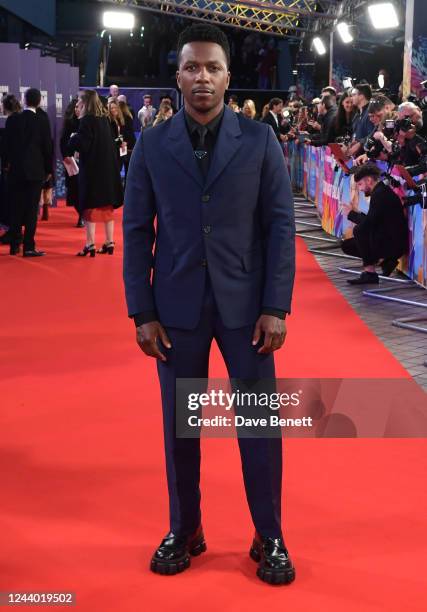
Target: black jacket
x,y
28,147
99,175
327,132
128,133
269,120
385,225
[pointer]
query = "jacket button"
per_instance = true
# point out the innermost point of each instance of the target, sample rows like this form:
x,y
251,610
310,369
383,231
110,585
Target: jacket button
x,y
204,263
206,197
207,229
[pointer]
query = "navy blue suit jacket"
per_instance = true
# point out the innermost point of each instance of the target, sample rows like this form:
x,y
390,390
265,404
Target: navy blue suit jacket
x,y
238,224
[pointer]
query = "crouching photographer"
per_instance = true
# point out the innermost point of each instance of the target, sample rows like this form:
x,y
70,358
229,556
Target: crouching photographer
x,y
381,235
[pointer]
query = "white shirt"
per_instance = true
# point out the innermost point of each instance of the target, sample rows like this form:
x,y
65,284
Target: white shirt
x,y
275,118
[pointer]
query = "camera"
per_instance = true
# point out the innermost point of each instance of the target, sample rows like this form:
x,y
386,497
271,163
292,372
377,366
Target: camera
x,y
373,148
404,125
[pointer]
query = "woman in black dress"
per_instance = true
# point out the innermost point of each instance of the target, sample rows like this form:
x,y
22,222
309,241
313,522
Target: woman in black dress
x,y
69,127
100,188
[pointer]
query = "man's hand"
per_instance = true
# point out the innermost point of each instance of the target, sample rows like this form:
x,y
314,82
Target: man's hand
x,y
353,149
146,337
274,330
379,136
362,159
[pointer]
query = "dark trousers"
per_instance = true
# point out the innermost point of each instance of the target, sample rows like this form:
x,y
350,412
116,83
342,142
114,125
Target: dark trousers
x,y
25,198
261,457
360,247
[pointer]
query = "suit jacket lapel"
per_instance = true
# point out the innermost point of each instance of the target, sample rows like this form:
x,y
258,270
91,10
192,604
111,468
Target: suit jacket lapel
x,y
227,144
181,148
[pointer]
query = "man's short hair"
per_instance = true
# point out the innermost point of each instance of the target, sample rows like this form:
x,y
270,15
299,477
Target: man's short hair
x,y
203,32
328,102
364,89
367,170
274,102
377,104
33,97
409,107
329,90
233,98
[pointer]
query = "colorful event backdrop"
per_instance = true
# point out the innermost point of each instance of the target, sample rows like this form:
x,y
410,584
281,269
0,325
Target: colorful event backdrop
x,y
315,173
415,58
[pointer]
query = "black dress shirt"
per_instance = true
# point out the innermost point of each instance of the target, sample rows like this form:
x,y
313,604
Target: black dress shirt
x,y
212,129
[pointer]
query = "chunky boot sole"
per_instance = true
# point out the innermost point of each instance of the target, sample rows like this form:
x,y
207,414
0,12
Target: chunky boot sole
x,y
170,568
270,575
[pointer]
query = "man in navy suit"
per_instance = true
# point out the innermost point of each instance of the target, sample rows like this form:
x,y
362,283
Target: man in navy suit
x,y
223,269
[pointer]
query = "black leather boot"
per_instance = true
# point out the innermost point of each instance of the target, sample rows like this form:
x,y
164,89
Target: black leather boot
x,y
275,565
173,554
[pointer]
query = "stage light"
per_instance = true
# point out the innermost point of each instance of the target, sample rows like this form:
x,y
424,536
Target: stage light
x,y
381,81
344,31
383,16
319,45
118,20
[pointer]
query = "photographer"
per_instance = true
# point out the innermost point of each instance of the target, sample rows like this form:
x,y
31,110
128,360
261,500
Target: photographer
x,y
409,128
380,236
376,145
415,114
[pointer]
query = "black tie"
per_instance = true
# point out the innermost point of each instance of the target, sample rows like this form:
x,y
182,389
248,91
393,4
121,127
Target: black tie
x,y
201,151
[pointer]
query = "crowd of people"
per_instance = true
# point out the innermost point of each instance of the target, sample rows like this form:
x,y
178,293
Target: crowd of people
x,y
368,127
98,137
96,144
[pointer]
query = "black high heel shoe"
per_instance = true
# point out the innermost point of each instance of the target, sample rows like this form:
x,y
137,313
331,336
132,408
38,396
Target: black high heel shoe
x,y
88,250
107,247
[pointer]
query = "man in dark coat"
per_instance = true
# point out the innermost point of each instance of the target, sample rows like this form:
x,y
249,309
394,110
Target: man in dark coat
x,y
224,268
381,236
28,150
274,117
328,111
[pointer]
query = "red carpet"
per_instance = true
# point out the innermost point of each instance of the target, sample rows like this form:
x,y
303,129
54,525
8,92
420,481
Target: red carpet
x,y
83,485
